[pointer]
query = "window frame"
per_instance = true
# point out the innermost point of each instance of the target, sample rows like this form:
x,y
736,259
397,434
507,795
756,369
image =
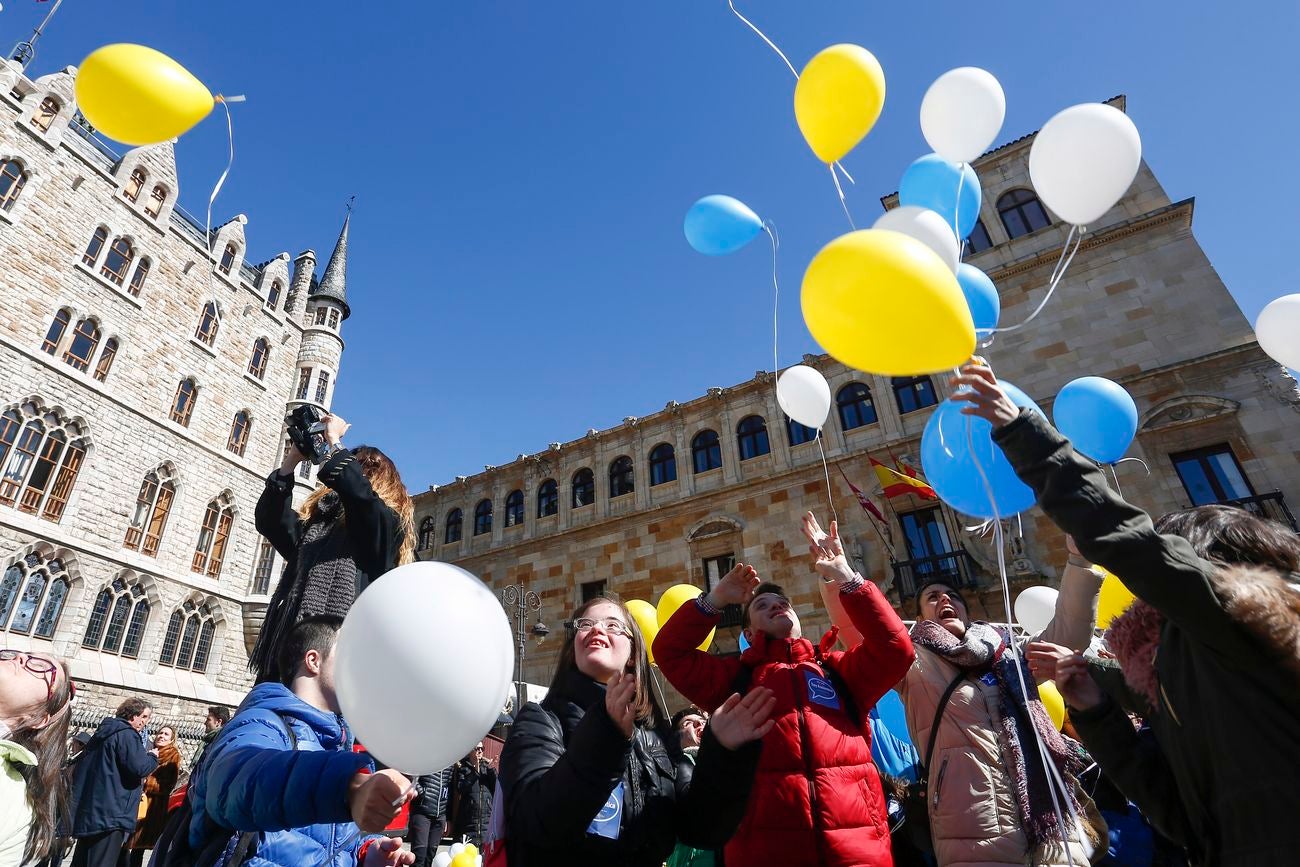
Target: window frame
x,y
88,335
622,477
583,493
752,441
908,385
514,508
13,178
182,410
455,520
548,499
663,464
711,450
237,443
124,251
1200,456
228,256
1023,199
209,324
148,524
134,184
257,362
483,517
15,593
154,206
44,115
858,404
797,433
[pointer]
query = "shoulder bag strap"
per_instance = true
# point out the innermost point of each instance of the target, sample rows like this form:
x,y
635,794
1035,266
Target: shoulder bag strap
x,y
938,717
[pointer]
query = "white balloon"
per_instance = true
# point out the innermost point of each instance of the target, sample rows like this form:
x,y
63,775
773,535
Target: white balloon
x,y
442,859
1083,160
1035,607
805,395
429,642
1278,330
457,848
962,113
925,226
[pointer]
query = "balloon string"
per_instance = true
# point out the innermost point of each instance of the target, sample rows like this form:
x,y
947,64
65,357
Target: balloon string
x,y
956,211
830,500
1115,476
763,36
1067,255
224,102
776,299
1139,460
843,204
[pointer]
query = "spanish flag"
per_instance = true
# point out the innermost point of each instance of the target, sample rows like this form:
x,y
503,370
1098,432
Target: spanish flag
x,y
896,484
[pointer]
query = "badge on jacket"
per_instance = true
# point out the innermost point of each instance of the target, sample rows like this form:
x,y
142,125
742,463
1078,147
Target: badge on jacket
x,y
821,690
610,816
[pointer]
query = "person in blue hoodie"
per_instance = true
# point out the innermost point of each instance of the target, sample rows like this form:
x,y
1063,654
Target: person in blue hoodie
x,y
313,799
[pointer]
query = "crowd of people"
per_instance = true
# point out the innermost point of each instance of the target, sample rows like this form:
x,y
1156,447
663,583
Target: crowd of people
x,y
1180,747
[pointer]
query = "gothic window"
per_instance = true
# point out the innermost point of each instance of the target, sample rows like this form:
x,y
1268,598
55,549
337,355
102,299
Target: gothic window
x,y
855,405
12,181
239,430
118,620
85,339
548,499
137,279
454,521
979,239
228,259
33,590
322,387
621,477
58,328
187,393
188,640
322,313
1022,213
427,528
134,184
156,199
334,318
663,464
106,356
799,433
515,508
304,383
751,436
118,261
261,352
483,517
45,113
95,247
40,456
210,549
262,568
706,451
913,393
273,294
584,488
152,506
209,324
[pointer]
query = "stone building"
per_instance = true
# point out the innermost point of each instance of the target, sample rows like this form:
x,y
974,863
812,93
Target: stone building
x,y
680,495
146,370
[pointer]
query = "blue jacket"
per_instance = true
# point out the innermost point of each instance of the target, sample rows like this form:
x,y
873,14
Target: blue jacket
x,y
252,780
109,778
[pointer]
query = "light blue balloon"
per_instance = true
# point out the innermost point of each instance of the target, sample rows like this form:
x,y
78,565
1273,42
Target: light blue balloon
x,y
890,708
981,297
949,454
744,643
717,225
931,182
1098,416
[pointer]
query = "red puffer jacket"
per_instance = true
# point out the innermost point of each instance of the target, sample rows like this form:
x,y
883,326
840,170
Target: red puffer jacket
x,y
817,797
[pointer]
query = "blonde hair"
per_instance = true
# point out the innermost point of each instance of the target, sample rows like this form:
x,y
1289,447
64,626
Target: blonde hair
x,y
382,474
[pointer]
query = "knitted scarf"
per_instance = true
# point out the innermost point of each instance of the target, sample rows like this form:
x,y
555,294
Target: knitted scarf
x,y
980,653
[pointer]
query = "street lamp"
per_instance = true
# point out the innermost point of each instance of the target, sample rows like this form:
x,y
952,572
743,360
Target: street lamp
x,y
523,601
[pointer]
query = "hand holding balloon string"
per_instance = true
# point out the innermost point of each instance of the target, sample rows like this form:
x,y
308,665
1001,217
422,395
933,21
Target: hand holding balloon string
x,y
976,384
1069,669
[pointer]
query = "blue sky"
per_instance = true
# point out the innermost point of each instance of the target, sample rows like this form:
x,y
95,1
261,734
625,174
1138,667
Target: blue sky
x,y
518,271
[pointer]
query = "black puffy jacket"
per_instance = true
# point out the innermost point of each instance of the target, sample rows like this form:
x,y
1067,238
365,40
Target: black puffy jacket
x,y
435,793
565,757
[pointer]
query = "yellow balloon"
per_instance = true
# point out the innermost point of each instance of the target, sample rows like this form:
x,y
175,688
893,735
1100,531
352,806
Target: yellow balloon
x,y
1053,702
467,857
838,99
139,96
1115,599
885,303
675,597
644,615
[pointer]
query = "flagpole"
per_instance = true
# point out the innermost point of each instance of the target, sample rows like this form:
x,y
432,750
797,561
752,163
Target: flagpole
x,y
25,52
893,557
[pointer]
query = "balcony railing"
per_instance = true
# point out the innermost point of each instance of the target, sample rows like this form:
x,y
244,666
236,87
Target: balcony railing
x,y
956,568
1270,506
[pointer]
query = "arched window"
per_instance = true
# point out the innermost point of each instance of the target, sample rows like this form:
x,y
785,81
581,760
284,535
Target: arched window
x,y
118,620
45,113
548,499
137,279
334,318
706,451
156,199
85,340
663,464
483,517
239,432
131,191
273,294
322,313
209,324
855,405
455,518
913,393
12,181
584,488
187,394
188,641
106,356
979,240
228,258
261,352
40,456
152,506
1022,213
33,591
304,383
427,528
515,508
210,549
262,568
95,247
58,328
118,261
621,479
751,436
799,433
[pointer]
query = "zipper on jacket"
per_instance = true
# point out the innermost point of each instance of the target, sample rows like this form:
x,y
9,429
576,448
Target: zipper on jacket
x,y
938,782
805,747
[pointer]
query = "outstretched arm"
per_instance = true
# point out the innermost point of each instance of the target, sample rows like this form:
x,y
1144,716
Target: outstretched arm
x,y
703,678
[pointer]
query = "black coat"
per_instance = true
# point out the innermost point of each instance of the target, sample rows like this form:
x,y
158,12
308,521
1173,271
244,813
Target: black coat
x,y
475,787
435,792
565,757
108,779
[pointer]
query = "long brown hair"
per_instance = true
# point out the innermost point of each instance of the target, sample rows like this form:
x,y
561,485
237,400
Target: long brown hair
x,y
47,790
382,474
648,710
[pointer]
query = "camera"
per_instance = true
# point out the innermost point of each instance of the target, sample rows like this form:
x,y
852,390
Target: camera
x,y
306,430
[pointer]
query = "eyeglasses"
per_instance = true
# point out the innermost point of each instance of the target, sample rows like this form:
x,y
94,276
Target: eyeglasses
x,y
37,665
611,625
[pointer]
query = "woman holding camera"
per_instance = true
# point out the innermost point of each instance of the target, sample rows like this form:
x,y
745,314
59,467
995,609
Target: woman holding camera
x,y
353,528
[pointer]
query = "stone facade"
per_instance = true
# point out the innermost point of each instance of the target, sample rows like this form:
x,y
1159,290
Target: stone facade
x,y
1140,304
100,238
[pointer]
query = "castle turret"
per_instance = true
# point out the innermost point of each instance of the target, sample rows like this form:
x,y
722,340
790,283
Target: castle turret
x,y
327,307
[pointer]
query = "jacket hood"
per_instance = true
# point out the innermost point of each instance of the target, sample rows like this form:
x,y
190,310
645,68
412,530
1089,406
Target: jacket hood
x,y
277,698
107,729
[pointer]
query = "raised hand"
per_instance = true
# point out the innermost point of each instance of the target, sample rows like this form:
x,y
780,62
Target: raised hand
x,y
620,691
978,386
335,428
741,720
826,550
1068,669
735,588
